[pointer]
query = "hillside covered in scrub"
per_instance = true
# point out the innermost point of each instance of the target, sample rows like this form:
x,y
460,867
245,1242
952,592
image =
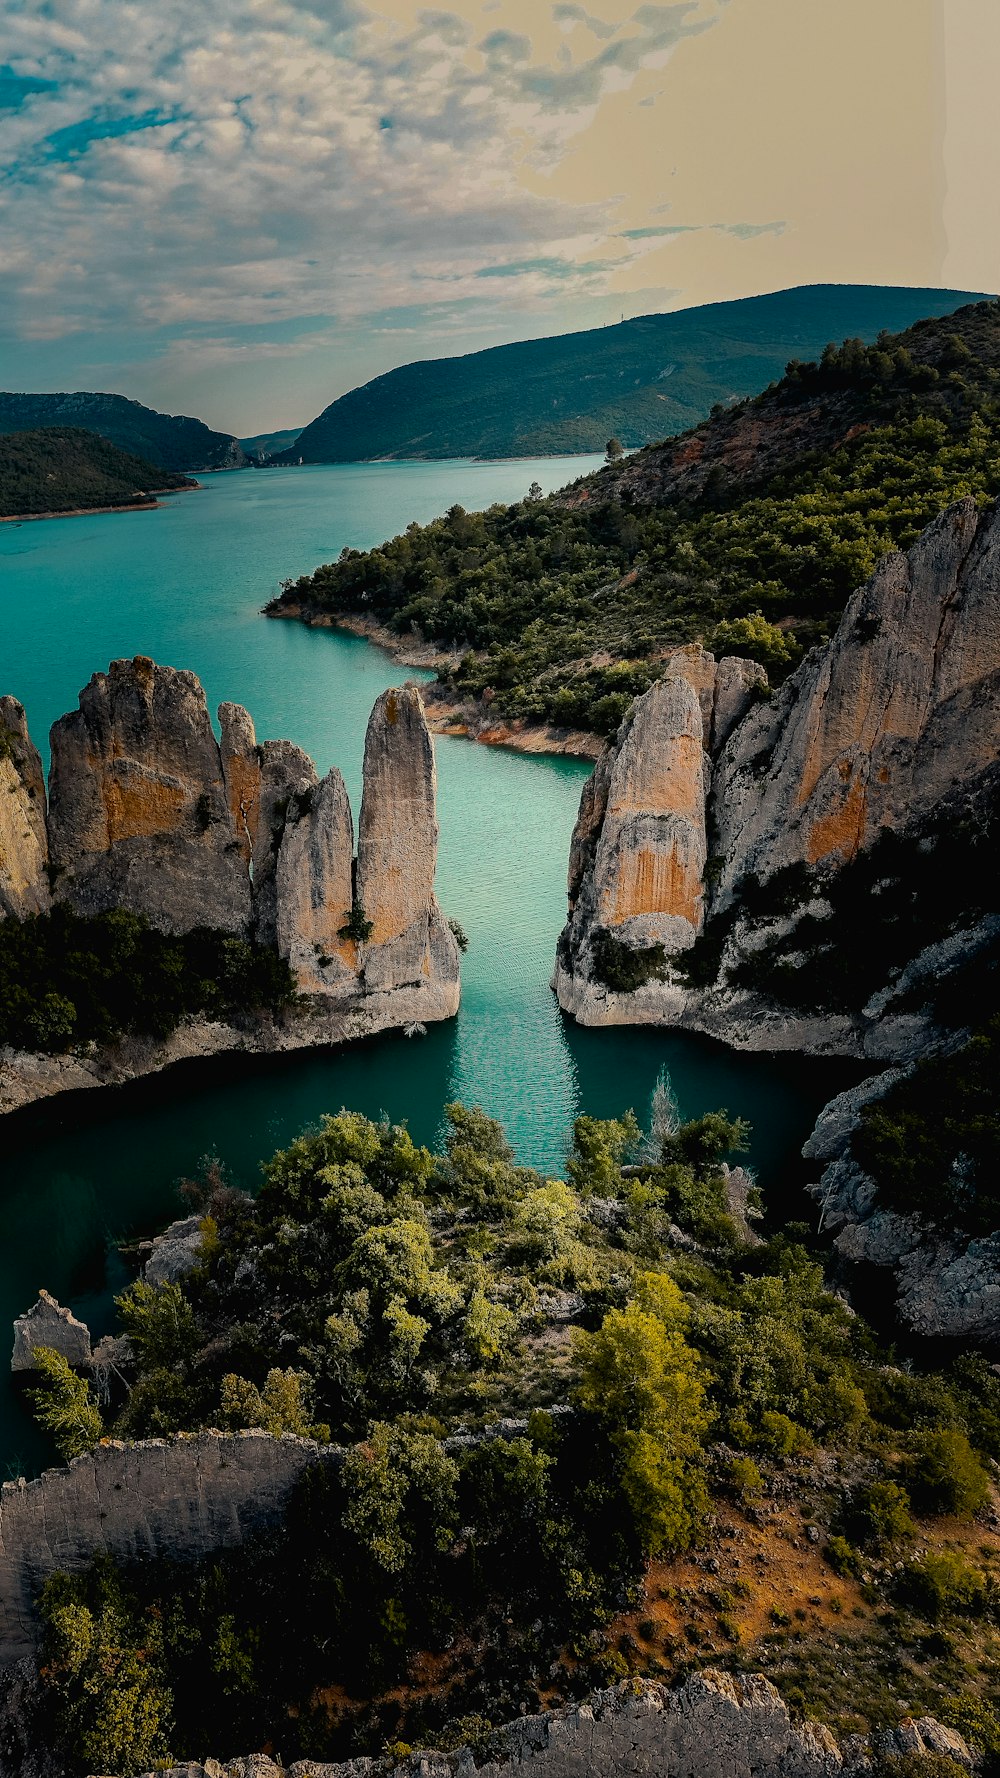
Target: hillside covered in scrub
x,y
588,1428
749,533
171,441
638,380
65,469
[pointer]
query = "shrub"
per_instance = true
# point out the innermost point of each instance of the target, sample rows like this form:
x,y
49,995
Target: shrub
x,y
944,1475
625,968
942,1585
877,1516
842,1557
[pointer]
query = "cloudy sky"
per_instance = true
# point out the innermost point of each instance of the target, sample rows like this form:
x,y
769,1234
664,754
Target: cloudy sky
x,y
242,209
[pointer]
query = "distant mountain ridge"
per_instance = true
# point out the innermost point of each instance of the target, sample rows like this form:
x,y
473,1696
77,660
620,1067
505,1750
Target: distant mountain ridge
x,y
61,469
640,381
169,441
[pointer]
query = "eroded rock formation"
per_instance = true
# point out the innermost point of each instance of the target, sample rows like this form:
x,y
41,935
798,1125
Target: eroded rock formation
x,y
47,1323
879,727
715,1725
639,849
397,850
24,847
138,813
889,725
148,811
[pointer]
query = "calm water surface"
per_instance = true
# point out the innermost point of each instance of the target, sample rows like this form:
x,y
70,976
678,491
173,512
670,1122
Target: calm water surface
x,y
185,584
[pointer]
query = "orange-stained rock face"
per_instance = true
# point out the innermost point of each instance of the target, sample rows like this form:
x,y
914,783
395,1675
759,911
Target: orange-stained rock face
x,y
139,816
138,804
651,882
639,848
899,710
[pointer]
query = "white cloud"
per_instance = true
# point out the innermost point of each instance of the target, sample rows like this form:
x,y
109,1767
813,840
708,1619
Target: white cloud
x,y
260,162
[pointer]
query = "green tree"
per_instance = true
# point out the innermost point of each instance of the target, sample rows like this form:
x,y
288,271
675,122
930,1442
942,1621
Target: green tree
x,y
160,1324
642,1380
944,1475
613,450
102,1659
64,1405
279,1407
396,1483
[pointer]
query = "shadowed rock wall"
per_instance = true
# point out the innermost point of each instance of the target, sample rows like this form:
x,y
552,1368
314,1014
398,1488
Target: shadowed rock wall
x,y
179,1498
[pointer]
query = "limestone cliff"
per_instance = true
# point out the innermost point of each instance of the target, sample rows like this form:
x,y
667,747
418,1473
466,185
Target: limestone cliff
x,y
892,726
640,846
138,814
24,849
715,1725
148,811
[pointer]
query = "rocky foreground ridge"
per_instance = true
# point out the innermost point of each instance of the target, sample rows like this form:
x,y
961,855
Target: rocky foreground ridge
x,y
713,1726
148,812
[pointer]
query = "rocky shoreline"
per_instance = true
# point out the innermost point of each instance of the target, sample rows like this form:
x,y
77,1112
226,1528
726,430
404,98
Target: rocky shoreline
x,y
472,720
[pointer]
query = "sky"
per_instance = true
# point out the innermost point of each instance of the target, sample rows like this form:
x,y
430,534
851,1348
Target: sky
x,y
242,209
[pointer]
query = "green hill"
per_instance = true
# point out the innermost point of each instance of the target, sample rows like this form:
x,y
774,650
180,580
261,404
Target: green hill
x,y
65,469
749,532
268,444
638,381
168,440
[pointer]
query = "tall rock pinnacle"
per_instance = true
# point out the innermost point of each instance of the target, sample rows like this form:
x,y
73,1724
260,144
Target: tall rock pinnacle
x,y
24,851
397,849
313,885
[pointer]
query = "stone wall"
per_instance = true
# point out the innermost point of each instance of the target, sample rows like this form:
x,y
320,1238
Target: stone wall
x,y
179,1498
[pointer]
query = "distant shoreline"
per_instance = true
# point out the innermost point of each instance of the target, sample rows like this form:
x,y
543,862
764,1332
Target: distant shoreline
x,y
83,512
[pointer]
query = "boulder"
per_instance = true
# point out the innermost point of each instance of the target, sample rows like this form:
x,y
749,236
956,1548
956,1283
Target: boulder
x,y
139,816
176,1252
47,1323
24,849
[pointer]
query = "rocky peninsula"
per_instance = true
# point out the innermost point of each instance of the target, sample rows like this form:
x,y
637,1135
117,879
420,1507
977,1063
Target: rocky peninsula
x,y
149,814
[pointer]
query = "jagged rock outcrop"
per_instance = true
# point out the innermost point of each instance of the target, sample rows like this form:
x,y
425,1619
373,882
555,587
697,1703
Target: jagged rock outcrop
x,y
894,723
24,847
47,1323
410,942
946,1286
715,1725
639,849
314,885
879,727
138,813
147,811
176,1252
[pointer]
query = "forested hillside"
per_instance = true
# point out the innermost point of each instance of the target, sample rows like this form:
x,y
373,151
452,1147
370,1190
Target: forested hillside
x,y
171,441
637,381
65,469
749,532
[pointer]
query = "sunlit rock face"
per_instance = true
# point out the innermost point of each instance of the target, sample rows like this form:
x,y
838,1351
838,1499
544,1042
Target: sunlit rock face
x,y
313,885
24,847
139,817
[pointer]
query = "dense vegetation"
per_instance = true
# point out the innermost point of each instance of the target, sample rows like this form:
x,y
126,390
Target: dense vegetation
x,y
62,469
640,380
668,1378
66,980
564,607
171,441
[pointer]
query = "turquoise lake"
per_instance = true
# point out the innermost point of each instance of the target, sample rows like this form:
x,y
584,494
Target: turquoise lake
x,y
185,584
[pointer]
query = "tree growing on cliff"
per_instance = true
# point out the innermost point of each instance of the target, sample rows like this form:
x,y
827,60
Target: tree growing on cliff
x,y
64,1405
